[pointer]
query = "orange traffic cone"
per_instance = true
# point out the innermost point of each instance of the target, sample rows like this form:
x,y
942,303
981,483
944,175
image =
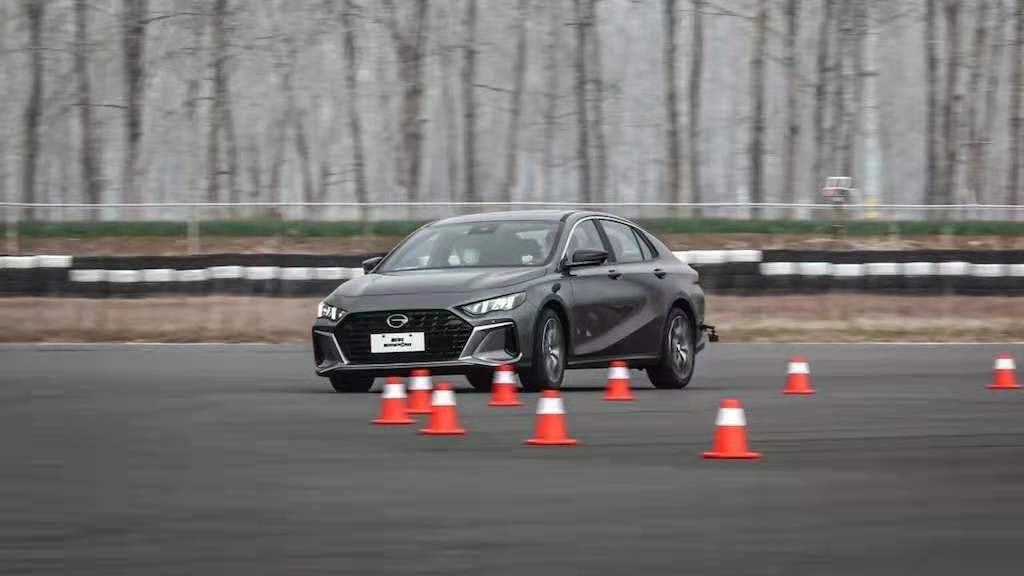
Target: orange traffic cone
x,y
392,403
618,382
444,421
731,434
551,429
419,392
503,390
798,377
1004,376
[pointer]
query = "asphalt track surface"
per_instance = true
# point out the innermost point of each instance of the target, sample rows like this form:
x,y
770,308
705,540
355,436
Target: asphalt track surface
x,y
237,460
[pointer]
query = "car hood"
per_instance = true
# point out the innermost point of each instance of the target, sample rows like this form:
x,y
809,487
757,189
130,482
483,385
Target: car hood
x,y
434,281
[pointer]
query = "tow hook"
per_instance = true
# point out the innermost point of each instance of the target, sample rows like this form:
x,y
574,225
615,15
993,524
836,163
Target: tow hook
x,y
712,335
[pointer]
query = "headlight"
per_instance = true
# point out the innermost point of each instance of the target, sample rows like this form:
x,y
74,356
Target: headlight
x,y
325,310
501,303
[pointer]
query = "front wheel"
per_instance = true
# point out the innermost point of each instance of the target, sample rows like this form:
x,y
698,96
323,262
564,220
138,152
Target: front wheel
x,y
549,354
349,383
675,368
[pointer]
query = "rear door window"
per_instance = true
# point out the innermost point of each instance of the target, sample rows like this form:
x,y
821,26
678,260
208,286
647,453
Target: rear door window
x,y
625,246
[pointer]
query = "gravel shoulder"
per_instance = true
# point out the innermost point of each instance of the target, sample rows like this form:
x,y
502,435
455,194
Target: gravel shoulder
x,y
832,317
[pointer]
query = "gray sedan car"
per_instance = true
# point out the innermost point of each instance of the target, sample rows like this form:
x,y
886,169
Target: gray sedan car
x,y
544,290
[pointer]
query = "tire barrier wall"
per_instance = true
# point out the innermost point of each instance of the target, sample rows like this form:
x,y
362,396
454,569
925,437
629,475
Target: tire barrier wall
x,y
737,272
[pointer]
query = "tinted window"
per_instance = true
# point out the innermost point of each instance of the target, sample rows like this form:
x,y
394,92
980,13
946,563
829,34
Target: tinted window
x,y
585,237
625,246
475,244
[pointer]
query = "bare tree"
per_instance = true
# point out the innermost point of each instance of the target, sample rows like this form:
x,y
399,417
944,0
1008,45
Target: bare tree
x,y
222,125
933,175
469,103
92,177
976,100
757,96
1016,161
596,80
515,111
409,46
993,74
134,17
35,11
355,125
671,102
792,100
951,105
821,91
696,83
582,126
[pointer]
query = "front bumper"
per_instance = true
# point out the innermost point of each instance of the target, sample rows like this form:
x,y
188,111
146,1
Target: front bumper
x,y
490,343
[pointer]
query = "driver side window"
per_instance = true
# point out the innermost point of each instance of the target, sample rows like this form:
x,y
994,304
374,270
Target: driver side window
x,y
585,237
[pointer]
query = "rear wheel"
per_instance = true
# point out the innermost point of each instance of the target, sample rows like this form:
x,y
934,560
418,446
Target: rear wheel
x,y
675,368
549,354
349,383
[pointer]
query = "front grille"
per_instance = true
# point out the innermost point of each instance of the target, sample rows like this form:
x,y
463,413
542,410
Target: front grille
x,y
444,336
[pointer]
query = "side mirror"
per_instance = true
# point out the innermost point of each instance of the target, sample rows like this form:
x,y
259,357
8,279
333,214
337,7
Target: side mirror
x,y
370,263
581,258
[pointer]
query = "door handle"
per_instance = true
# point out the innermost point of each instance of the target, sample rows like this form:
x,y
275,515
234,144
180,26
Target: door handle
x,y
660,273
614,275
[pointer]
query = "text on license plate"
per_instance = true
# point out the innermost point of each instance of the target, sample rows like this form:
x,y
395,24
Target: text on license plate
x,y
400,342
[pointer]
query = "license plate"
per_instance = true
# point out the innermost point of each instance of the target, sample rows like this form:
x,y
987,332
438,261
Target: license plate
x,y
400,342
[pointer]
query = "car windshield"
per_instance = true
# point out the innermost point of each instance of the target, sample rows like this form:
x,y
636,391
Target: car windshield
x,y
476,245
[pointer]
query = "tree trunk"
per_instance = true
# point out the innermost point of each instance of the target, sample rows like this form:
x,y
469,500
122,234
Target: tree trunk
x,y
596,80
671,102
355,123
993,73
449,106
519,78
92,178
133,40
1017,111
35,12
976,100
757,95
552,77
792,139
469,104
696,82
951,106
933,177
582,126
873,157
821,91
213,153
409,47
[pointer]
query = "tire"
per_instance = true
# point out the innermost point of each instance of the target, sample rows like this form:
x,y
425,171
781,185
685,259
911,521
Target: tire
x,y
546,371
674,370
351,383
481,380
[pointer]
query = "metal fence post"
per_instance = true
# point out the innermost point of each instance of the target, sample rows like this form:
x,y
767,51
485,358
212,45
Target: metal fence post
x,y
11,229
193,230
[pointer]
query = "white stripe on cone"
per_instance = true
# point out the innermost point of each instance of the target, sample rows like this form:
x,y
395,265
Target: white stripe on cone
x,y
731,417
393,391
799,368
1005,364
419,383
618,373
504,377
443,398
550,406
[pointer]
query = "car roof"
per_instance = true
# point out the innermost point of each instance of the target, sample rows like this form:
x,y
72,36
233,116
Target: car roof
x,y
544,215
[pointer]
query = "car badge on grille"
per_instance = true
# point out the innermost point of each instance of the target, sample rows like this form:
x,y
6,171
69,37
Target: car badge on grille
x,y
398,320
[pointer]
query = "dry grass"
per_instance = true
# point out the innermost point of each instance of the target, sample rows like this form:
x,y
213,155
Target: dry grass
x,y
832,317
